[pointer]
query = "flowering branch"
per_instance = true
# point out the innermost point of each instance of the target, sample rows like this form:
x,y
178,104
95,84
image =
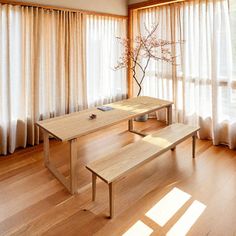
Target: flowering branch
x,y
147,47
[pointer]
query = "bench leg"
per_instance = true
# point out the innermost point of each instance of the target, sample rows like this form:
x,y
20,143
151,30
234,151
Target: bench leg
x,y
194,145
111,200
94,178
169,115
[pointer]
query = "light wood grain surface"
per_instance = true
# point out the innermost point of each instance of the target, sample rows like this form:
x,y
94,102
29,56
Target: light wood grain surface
x,y
77,124
33,202
72,126
116,165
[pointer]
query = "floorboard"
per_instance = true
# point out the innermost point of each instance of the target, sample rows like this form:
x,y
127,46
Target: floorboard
x,y
185,196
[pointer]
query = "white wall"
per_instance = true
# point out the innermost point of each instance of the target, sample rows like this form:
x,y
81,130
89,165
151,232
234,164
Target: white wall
x,y
135,1
118,7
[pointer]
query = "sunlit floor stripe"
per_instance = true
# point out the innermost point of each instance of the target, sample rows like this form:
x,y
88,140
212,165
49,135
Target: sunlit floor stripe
x,y
139,229
187,220
162,212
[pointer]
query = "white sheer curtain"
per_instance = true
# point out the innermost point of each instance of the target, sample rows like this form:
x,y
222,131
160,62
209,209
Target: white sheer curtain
x,y
16,67
202,86
43,69
102,52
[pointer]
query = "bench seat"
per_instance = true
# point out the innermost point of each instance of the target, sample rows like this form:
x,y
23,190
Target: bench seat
x,y
117,165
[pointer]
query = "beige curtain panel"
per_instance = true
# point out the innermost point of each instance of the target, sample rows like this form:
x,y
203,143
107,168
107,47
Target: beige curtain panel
x,y
42,70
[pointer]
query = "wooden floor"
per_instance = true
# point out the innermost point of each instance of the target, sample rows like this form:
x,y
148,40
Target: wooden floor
x,y
172,195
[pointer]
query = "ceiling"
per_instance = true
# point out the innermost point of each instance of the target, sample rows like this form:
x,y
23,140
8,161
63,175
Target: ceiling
x,y
108,6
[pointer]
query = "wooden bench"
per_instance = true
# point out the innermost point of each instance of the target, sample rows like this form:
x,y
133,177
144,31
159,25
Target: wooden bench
x,y
117,165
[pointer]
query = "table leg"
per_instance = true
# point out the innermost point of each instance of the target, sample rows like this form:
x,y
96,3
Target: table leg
x,y
169,115
131,128
51,167
46,147
73,166
194,145
131,125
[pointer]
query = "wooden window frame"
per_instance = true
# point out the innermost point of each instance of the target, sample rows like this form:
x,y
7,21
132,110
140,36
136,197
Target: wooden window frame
x,y
131,9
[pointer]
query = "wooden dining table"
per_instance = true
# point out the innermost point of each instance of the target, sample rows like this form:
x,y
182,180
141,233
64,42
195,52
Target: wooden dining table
x,y
70,127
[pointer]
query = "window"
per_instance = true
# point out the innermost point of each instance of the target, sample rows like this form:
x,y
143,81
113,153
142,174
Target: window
x,y
54,62
104,84
233,33
201,86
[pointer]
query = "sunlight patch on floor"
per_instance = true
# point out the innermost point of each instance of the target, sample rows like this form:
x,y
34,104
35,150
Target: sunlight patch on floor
x,y
165,209
139,229
187,220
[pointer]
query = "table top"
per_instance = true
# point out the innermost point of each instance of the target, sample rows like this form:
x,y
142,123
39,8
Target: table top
x,y
74,125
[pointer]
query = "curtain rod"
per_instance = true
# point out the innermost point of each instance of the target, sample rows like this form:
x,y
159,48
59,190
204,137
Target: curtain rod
x,y
46,7
151,3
